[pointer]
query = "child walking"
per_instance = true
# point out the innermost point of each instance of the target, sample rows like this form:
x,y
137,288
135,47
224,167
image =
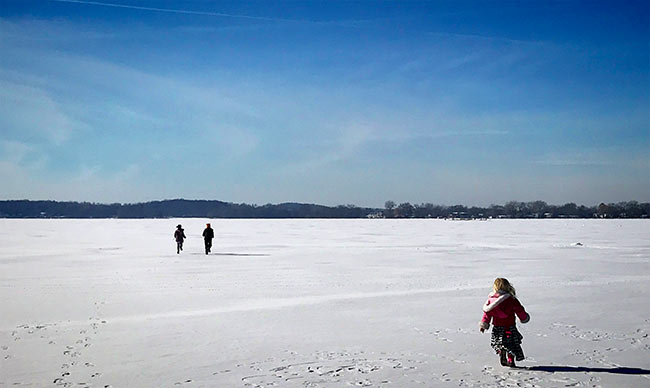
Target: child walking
x,y
179,235
501,308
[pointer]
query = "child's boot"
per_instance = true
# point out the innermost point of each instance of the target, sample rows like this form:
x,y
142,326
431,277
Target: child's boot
x,y
503,358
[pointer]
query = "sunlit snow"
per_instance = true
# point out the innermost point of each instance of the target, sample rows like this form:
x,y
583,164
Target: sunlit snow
x,y
320,303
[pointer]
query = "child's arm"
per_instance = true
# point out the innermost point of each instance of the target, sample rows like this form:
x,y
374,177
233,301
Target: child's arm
x,y
524,317
485,322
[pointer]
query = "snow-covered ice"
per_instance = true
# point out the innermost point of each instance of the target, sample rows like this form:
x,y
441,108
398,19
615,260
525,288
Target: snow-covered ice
x,y
320,303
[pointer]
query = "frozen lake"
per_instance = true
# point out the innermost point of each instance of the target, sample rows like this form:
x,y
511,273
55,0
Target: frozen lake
x,y
320,303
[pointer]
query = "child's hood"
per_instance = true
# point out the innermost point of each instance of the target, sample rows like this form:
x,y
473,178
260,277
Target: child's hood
x,y
494,300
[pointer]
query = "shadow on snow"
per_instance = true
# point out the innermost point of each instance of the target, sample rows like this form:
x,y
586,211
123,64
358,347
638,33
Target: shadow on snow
x,y
617,370
233,254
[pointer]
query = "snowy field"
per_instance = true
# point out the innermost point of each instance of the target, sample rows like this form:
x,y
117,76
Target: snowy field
x,y
320,303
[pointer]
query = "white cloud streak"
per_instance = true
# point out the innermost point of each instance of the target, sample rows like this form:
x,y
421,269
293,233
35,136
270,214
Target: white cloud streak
x,y
597,158
174,10
33,112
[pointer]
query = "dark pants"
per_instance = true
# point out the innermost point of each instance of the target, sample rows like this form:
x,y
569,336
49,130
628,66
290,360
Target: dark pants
x,y
179,246
208,245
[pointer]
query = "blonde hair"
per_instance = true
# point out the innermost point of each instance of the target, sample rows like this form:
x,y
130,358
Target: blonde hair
x,y
502,284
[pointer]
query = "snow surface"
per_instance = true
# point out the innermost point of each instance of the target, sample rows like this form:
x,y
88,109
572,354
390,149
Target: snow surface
x,y
320,303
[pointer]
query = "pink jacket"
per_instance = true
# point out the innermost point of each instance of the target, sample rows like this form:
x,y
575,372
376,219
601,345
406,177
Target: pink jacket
x,y
501,307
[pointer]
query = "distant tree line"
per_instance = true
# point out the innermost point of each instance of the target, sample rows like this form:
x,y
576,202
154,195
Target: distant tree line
x,y
514,209
218,209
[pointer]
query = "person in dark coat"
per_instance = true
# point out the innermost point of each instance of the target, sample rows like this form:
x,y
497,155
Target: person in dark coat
x,y
179,235
208,235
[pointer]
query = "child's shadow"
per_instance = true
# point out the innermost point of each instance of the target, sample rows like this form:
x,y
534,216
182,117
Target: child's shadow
x,y
618,370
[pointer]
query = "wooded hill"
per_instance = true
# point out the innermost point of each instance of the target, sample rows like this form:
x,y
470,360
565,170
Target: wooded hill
x,y
173,208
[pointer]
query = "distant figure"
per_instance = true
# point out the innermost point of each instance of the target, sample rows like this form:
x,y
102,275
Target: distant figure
x,y
501,307
208,235
179,235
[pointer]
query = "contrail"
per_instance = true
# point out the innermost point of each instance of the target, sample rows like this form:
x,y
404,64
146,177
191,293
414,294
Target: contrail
x,y
172,10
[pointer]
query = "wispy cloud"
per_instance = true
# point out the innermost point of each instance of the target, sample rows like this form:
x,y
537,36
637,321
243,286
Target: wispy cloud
x,y
30,31
15,152
353,23
569,160
615,157
33,113
170,10
87,183
485,38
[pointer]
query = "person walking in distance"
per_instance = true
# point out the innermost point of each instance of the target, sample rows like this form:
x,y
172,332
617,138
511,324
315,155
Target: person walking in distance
x,y
179,235
208,235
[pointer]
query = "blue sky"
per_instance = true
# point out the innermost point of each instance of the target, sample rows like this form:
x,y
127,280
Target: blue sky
x,y
330,102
